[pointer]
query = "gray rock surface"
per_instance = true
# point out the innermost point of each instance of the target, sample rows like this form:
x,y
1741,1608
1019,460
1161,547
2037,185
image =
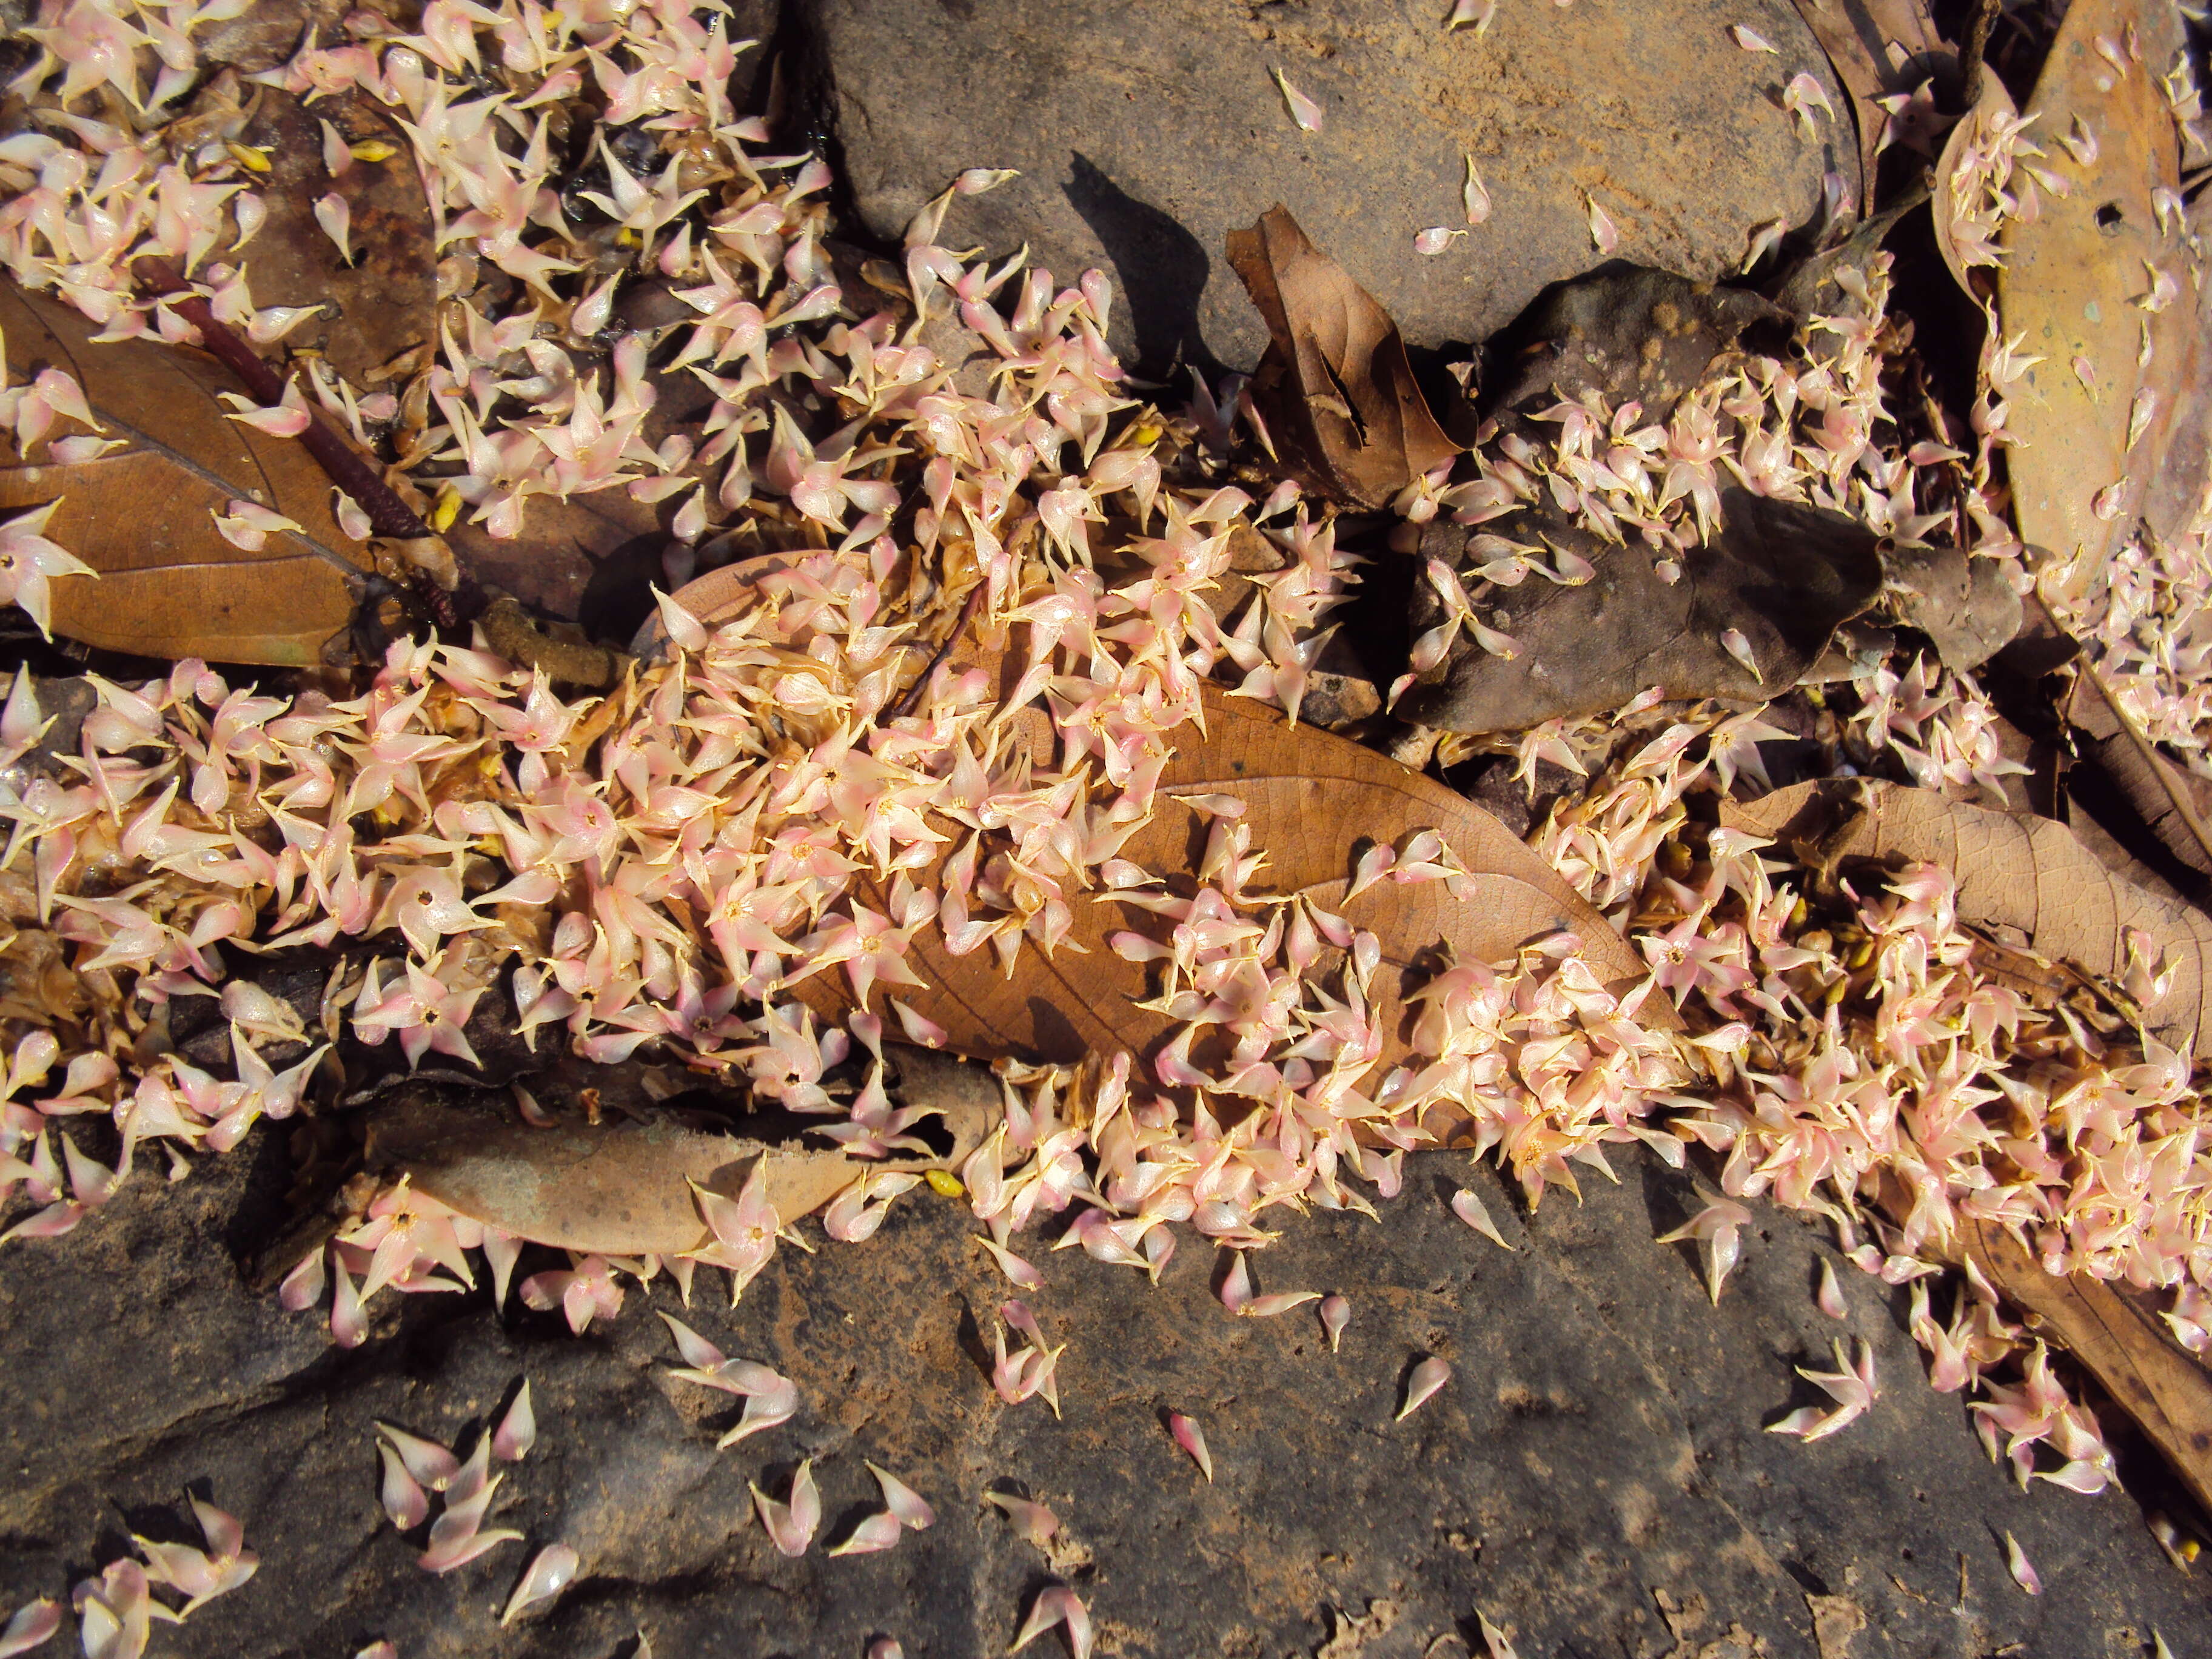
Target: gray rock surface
x,y
1147,129
1594,1478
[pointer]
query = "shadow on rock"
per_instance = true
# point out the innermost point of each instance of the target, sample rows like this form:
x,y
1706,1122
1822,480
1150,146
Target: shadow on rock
x,y
1160,267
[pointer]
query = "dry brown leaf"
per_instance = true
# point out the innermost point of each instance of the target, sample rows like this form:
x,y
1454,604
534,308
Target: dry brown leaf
x,y
2152,797
2166,1391
2068,290
1334,385
621,1189
387,300
1965,605
170,586
586,558
1312,801
1780,574
1638,335
1860,37
2029,874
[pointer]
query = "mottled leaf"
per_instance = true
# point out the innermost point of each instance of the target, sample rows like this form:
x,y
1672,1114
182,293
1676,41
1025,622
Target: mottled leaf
x,y
1635,336
387,300
2070,281
1965,605
1781,574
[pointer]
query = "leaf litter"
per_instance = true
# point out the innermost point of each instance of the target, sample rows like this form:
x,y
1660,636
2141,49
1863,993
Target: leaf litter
x,y
930,770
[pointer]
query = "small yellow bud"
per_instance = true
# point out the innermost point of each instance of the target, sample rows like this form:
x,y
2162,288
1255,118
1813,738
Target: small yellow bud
x,y
446,510
373,149
945,1183
253,159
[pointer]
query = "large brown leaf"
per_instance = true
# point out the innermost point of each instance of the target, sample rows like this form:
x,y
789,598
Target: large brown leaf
x,y
2071,276
1335,384
2024,873
170,586
622,1188
1314,802
2166,1391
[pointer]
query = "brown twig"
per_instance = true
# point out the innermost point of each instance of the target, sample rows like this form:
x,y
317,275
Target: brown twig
x,y
511,631
1971,66
388,515
905,705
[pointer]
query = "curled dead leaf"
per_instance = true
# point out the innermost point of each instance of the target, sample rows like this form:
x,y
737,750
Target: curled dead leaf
x,y
1334,385
2117,1340
2152,786
1878,48
1954,214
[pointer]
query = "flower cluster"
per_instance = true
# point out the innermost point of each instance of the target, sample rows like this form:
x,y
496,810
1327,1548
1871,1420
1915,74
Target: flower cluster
x,y
794,794
1940,727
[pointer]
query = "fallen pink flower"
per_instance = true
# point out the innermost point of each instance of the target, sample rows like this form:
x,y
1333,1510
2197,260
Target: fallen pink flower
x,y
1850,1385
1033,1522
33,1623
1425,1379
518,1429
790,1526
2022,1570
549,1573
1335,1315
903,1500
877,1531
1192,1439
1715,1229
1467,1206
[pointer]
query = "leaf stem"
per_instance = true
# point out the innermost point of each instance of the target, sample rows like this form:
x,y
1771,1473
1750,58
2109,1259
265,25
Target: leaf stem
x,y
388,515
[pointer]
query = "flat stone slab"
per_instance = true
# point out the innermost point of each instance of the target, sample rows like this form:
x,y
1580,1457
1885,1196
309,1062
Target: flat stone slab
x,y
1146,130
1594,1478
